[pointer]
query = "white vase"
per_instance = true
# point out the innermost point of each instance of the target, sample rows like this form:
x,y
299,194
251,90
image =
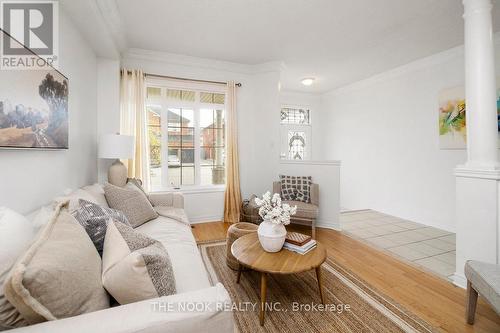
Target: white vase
x,y
271,236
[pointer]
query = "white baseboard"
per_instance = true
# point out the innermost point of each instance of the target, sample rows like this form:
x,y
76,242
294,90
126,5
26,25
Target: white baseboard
x,y
206,218
328,225
459,280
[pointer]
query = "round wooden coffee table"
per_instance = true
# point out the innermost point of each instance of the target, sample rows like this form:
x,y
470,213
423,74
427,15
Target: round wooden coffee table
x,y
249,253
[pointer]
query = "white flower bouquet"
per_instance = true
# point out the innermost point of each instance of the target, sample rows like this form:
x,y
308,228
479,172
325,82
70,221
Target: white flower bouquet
x,y
272,209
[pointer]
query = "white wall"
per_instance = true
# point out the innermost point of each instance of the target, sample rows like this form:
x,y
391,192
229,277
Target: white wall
x,y
108,106
327,175
385,131
29,178
314,102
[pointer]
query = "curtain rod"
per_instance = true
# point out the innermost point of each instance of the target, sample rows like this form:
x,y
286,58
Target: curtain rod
x,y
185,79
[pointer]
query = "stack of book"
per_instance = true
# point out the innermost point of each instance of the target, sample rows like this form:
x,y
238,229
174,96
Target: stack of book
x,y
299,243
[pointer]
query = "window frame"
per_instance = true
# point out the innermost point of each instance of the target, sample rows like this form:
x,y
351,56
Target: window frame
x,y
165,103
307,128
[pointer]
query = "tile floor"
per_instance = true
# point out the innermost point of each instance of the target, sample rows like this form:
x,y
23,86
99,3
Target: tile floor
x,y
429,247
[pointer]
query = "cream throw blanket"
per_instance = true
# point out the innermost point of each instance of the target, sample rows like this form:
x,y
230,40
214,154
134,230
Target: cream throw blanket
x,y
177,214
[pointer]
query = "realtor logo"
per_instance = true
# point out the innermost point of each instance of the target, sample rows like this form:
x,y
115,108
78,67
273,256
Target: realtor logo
x,y
31,28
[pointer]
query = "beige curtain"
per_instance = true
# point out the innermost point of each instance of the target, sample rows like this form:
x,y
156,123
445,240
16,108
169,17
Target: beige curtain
x,y
133,121
232,197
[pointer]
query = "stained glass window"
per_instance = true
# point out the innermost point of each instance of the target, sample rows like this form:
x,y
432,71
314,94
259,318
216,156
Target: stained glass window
x,y
296,145
295,116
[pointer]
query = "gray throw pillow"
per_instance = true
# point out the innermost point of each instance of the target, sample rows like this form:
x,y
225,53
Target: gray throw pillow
x,y
95,218
296,188
132,202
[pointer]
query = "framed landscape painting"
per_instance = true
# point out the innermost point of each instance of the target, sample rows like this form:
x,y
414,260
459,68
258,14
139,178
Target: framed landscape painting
x,y
33,108
452,118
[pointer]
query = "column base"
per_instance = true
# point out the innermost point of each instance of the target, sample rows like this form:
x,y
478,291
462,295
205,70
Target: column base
x,y
477,218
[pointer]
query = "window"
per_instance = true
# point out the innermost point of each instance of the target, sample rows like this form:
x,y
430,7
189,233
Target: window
x,y
295,116
295,133
186,131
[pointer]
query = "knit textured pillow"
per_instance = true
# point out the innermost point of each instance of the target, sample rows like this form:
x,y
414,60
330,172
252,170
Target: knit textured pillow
x,y
94,218
296,188
132,202
135,267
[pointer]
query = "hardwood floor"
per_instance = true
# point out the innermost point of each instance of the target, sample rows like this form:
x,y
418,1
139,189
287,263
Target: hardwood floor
x,y
432,298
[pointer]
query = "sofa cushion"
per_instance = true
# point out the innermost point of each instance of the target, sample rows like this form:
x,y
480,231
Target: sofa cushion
x,y
97,192
132,202
94,218
135,266
59,275
16,234
177,214
73,199
189,270
42,216
137,183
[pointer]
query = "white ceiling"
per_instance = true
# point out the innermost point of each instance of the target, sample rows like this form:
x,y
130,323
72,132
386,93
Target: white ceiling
x,y
336,41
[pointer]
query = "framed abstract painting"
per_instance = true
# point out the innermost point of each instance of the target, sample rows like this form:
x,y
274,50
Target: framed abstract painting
x,y
33,108
452,118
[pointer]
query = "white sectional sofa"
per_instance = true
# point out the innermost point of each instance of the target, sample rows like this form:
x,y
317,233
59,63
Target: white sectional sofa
x,y
165,314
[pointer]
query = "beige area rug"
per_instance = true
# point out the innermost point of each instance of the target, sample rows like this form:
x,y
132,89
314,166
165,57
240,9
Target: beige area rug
x,y
293,300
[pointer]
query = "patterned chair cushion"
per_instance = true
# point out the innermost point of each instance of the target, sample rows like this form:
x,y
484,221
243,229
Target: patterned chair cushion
x,y
304,210
296,188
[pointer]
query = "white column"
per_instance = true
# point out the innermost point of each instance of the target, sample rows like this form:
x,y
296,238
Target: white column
x,y
477,182
482,131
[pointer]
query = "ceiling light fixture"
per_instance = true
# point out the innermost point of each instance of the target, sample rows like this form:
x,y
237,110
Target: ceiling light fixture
x,y
307,81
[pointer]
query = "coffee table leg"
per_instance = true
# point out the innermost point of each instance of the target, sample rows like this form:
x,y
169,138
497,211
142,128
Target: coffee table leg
x,y
263,290
320,284
239,273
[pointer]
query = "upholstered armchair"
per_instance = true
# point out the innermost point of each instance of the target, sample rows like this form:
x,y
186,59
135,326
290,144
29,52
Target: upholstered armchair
x,y
307,213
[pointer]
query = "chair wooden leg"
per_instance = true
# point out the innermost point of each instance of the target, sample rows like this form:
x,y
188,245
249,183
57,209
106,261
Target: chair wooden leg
x,y
470,304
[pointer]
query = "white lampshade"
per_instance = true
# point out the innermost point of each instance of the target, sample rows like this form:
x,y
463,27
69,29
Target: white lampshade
x,y
116,146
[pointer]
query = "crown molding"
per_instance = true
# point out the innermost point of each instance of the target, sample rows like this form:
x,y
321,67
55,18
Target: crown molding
x,y
184,60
